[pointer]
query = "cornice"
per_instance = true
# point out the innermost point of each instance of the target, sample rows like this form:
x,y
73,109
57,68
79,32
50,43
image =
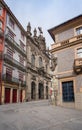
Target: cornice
x,y
66,45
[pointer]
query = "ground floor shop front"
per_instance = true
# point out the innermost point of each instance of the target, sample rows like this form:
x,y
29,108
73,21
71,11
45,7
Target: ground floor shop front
x,y
12,94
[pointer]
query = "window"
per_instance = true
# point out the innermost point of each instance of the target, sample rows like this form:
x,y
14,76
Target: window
x,y
33,60
40,62
22,36
11,34
21,75
22,45
21,59
79,52
8,73
11,23
67,91
1,9
79,30
0,25
10,52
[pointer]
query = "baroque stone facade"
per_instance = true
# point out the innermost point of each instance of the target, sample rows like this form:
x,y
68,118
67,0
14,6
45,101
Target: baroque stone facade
x,y
67,76
38,78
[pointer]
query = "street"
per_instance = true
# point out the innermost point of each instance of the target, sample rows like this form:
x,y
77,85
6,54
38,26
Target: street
x,y
39,115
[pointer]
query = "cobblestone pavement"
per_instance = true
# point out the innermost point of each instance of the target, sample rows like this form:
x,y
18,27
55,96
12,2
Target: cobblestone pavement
x,y
39,115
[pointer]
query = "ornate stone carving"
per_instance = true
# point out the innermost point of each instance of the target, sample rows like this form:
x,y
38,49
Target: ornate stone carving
x,y
29,29
40,30
53,62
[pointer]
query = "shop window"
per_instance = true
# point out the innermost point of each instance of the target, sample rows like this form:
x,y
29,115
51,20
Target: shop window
x,y
79,31
68,91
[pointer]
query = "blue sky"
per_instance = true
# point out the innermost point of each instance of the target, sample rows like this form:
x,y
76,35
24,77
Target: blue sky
x,y
44,13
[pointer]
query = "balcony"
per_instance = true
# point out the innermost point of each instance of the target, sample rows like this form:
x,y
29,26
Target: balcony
x,y
1,33
13,80
78,65
31,67
68,42
41,70
14,62
13,44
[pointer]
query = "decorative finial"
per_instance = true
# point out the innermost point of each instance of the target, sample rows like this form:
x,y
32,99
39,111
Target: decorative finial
x,y
35,32
29,28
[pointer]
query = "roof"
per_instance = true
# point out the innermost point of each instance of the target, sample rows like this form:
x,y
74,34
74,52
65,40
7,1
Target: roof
x,y
63,24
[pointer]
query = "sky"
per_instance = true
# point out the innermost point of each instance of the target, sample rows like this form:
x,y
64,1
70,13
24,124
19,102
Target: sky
x,y
44,13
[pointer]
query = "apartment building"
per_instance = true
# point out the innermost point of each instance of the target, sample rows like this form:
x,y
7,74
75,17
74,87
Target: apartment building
x,y
12,57
67,62
38,65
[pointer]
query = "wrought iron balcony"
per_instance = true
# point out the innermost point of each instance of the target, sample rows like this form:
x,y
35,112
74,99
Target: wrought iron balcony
x,y
12,43
9,79
78,65
8,59
1,33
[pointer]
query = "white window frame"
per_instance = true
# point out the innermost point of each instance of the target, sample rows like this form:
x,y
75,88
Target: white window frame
x,y
79,30
79,52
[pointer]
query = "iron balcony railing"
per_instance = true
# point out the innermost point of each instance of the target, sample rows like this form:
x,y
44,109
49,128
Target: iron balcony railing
x,y
8,59
13,80
12,43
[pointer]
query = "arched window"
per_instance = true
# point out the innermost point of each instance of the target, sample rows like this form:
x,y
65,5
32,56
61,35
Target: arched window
x,y
33,60
40,62
79,52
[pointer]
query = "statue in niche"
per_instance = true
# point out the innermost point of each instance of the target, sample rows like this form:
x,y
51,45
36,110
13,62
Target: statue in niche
x,y
53,62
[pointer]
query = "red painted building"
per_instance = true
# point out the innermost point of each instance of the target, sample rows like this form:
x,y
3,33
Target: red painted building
x,y
2,31
12,57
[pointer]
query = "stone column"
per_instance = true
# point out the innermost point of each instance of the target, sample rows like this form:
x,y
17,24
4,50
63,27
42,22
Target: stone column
x,y
37,88
28,82
44,89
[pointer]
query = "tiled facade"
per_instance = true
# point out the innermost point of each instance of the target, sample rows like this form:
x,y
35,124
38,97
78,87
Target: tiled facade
x,y
13,58
68,72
